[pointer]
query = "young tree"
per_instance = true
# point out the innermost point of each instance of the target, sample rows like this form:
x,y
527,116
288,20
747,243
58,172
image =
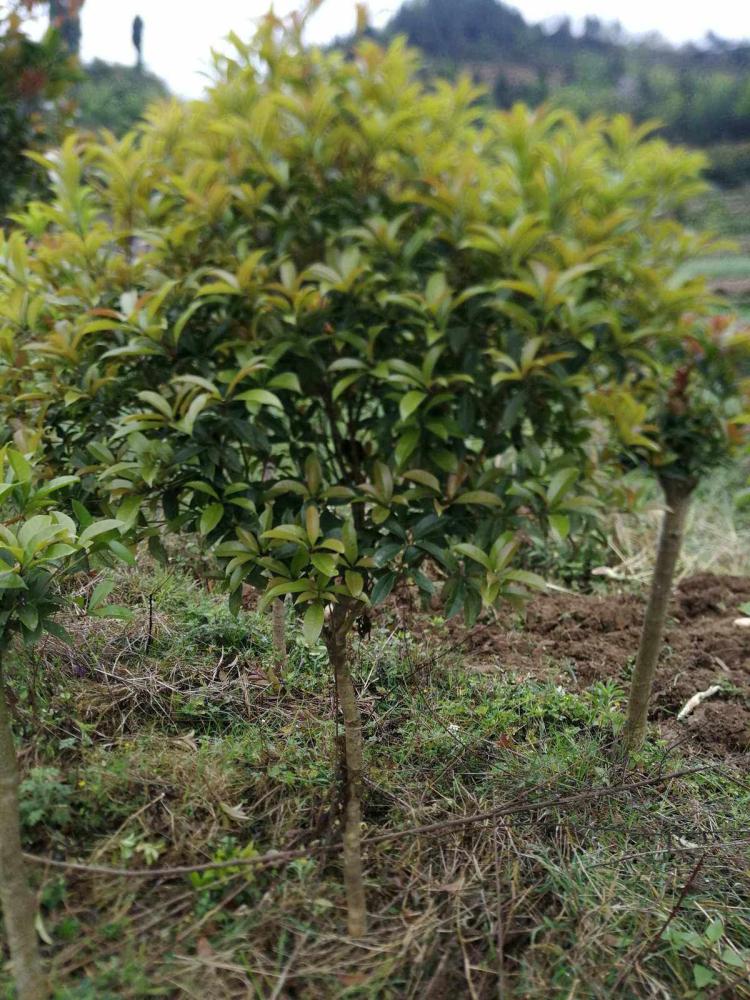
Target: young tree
x,y
344,325
40,546
682,415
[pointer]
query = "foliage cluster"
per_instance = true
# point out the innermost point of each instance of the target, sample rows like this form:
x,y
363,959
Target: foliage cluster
x,y
39,544
331,296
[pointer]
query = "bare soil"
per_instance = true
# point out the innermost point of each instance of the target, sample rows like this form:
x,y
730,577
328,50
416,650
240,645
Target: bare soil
x,y
575,640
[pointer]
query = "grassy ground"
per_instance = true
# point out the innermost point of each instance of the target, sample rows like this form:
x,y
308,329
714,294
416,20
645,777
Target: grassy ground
x,y
190,751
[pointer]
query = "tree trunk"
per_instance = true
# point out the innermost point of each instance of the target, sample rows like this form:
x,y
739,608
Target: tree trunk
x,y
336,634
279,634
18,904
677,493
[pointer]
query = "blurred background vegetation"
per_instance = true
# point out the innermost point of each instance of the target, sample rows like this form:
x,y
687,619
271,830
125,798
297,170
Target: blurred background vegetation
x,y
45,90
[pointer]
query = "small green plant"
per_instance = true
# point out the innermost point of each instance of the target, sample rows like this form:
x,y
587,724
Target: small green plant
x,y
41,547
44,798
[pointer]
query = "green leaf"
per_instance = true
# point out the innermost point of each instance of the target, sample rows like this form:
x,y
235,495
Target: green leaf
x,y
260,397
286,380
312,624
210,518
11,581
423,478
702,976
349,538
455,602
481,497
383,587
324,564
121,552
312,523
735,960
380,515
113,611
280,589
28,616
20,466
406,445
714,930
527,578
97,528
57,630
287,533
560,524
473,552
158,402
355,582
560,484
58,483
410,402
313,474
100,593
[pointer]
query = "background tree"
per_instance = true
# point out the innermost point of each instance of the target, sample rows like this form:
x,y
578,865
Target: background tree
x,y
138,41
65,17
35,78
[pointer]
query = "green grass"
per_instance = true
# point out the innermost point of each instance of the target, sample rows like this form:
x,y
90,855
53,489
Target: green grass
x,y
720,266
191,753
727,214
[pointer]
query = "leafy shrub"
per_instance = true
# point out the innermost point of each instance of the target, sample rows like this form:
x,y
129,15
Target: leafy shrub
x,y
328,245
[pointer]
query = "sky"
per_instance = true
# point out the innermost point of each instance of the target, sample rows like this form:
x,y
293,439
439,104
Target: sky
x,y
179,34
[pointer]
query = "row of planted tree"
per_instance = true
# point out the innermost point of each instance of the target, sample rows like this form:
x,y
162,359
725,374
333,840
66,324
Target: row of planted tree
x,y
353,329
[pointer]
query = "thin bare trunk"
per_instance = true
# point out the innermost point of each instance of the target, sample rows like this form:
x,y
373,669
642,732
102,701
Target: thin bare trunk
x,y
677,494
18,904
352,849
279,635
278,618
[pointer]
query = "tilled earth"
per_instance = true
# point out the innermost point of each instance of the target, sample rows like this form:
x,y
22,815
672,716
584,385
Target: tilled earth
x,y
577,639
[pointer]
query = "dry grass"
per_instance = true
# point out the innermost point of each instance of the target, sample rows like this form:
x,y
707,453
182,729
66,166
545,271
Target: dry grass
x,y
192,753
717,539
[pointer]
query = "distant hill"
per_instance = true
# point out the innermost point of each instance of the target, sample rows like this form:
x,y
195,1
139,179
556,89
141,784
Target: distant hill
x,y
699,92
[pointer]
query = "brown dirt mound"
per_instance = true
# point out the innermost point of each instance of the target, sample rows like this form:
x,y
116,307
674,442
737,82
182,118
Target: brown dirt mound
x,y
577,639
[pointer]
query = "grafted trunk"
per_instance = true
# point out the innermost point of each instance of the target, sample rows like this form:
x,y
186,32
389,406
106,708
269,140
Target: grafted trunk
x,y
18,904
352,770
279,635
677,494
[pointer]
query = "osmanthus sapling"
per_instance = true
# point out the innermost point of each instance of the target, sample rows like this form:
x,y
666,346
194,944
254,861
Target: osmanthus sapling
x,y
682,415
331,294
41,546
